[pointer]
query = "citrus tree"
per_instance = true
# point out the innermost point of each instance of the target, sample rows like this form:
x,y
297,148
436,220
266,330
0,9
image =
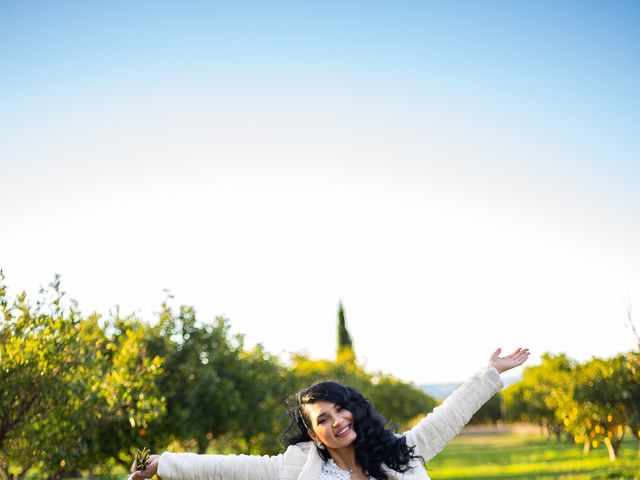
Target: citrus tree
x,y
43,366
72,394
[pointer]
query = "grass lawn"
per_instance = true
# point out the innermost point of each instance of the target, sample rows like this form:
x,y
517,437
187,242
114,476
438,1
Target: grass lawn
x,y
527,456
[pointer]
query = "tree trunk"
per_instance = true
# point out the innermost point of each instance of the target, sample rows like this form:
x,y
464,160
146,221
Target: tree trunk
x,y
587,447
616,442
248,443
616,445
610,449
4,466
203,444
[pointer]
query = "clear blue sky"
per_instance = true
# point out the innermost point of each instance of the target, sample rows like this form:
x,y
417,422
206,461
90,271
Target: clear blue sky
x,y
456,166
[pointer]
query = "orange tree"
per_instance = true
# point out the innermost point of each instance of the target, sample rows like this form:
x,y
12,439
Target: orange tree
x,y
542,390
42,359
124,396
218,395
631,391
264,385
603,395
199,379
64,383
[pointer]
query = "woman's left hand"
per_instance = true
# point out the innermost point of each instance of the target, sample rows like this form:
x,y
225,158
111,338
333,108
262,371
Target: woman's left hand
x,y
502,364
150,471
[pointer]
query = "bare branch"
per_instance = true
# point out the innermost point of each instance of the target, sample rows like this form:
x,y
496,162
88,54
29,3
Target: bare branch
x,y
631,324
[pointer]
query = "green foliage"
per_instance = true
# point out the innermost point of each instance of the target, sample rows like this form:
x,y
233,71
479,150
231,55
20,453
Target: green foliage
x,y
591,402
71,394
307,372
540,393
214,389
44,362
263,385
398,401
630,390
402,403
490,412
198,379
126,397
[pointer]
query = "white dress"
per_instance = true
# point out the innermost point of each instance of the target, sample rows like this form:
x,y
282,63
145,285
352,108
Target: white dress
x,y
331,471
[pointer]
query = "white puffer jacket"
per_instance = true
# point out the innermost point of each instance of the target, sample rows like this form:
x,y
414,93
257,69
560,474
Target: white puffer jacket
x,y
302,461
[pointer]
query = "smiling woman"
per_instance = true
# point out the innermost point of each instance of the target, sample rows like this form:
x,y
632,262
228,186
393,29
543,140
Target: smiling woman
x,y
336,434
338,418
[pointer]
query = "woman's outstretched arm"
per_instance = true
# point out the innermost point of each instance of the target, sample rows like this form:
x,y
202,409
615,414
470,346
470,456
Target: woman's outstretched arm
x,y
177,466
438,428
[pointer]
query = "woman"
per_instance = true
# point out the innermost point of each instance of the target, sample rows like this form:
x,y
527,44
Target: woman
x,y
337,435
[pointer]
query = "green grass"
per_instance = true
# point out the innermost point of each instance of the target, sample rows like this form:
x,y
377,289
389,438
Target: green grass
x,y
522,457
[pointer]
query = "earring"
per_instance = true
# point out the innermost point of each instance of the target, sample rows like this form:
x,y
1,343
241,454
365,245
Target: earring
x,y
319,445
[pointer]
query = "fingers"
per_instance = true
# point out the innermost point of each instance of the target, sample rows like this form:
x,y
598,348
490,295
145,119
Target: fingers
x,y
149,472
140,474
518,352
521,355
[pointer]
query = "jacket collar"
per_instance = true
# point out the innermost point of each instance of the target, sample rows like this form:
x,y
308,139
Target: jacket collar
x,y
313,466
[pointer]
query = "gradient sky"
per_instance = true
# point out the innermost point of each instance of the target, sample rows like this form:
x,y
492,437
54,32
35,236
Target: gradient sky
x,y
463,175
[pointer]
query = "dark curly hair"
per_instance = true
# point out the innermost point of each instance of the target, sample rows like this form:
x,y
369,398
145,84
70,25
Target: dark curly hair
x,y
375,444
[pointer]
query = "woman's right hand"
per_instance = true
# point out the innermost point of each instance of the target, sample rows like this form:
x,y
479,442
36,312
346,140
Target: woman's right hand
x,y
150,471
502,364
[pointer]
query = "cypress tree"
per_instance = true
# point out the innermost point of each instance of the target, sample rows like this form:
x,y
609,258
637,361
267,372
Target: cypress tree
x,y
345,350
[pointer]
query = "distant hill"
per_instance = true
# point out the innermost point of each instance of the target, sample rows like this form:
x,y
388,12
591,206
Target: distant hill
x,y
440,391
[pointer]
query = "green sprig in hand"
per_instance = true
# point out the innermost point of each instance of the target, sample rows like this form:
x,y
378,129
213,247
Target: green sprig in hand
x,y
142,459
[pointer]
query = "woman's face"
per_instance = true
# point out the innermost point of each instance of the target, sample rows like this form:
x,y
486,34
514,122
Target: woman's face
x,y
332,424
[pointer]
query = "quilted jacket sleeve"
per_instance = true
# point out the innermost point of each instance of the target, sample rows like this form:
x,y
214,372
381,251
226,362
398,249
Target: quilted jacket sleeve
x,y
182,466
445,422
